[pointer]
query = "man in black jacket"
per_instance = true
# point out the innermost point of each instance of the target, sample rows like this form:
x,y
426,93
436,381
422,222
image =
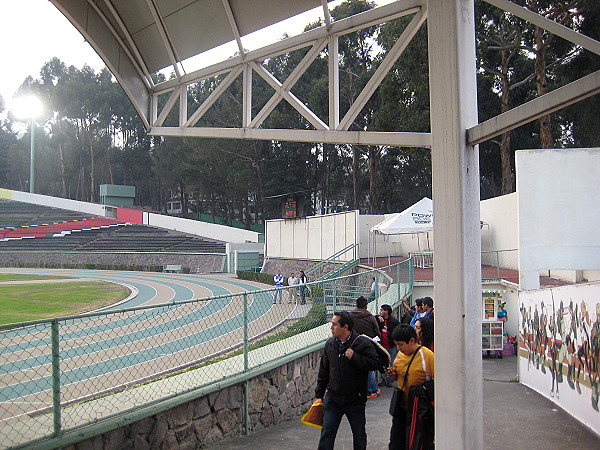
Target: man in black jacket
x,y
346,360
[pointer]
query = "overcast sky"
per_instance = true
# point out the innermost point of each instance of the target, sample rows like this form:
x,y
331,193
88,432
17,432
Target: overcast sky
x,y
31,33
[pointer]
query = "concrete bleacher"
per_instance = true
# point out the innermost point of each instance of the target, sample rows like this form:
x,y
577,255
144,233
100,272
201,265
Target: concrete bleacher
x,y
18,214
59,228
42,228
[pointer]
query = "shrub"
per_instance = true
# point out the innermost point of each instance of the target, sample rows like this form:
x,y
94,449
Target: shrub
x,y
266,278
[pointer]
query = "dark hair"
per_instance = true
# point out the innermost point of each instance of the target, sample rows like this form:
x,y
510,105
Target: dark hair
x,y
361,302
426,331
387,308
428,301
419,301
403,333
345,318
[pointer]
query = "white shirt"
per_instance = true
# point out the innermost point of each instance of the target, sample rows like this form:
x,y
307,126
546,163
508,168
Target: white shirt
x,y
292,281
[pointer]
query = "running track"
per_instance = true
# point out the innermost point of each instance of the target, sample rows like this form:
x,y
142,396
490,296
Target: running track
x,y
116,350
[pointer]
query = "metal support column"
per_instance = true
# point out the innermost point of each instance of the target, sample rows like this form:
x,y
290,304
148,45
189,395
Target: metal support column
x,y
32,161
457,256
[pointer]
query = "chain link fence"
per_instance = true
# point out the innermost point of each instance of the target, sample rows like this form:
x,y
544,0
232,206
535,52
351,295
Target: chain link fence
x,y
63,374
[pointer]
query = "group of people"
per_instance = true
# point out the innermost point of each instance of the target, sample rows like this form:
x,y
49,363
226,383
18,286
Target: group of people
x,y
298,287
346,377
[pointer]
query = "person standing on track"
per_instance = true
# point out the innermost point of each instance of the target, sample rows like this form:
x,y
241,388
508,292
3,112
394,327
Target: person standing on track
x,y
278,280
293,292
303,289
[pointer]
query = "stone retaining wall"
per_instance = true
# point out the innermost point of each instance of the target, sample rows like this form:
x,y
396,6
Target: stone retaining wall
x,y
198,263
282,394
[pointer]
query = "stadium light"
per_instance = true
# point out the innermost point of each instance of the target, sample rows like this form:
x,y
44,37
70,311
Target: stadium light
x,y
29,107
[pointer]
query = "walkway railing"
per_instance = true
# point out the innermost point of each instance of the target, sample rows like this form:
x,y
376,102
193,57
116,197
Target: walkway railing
x,y
495,265
60,378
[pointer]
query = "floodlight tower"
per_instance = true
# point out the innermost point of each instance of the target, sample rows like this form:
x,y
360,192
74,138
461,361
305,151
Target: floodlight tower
x,y
28,108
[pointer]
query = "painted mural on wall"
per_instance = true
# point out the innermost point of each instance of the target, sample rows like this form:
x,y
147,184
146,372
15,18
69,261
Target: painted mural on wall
x,y
559,344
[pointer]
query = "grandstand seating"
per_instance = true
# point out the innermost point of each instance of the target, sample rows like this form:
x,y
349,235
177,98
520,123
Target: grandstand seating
x,y
86,234
17,214
59,228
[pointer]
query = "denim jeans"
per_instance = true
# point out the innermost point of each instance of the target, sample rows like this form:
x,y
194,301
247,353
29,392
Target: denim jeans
x,y
332,416
303,293
372,383
278,293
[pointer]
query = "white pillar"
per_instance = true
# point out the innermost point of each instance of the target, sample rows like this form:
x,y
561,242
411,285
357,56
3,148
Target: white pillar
x,y
457,256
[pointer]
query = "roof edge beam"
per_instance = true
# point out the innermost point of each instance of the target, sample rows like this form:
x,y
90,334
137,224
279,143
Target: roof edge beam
x,y
549,25
396,139
552,101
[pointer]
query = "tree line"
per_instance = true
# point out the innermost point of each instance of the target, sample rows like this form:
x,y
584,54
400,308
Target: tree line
x,y
91,134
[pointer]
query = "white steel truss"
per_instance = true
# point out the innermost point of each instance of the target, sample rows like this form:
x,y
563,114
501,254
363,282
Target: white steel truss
x,y
248,64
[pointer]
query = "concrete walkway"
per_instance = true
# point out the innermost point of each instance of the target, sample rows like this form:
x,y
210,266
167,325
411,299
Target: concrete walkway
x,y
515,417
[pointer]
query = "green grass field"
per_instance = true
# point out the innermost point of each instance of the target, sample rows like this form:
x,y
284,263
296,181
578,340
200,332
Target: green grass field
x,y
27,302
18,277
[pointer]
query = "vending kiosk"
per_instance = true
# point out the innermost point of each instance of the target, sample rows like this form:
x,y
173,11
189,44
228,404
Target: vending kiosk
x,y
492,330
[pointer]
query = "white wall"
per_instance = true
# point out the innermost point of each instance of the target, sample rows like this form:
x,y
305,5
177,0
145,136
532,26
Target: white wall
x,y
501,215
365,223
208,230
559,217
576,326
315,237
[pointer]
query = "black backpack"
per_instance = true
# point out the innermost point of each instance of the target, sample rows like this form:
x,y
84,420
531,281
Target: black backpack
x,y
382,353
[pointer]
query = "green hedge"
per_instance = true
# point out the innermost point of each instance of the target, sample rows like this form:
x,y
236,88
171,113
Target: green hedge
x,y
266,278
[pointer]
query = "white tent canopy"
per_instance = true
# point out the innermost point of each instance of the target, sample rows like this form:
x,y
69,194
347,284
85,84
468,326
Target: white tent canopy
x,y
418,218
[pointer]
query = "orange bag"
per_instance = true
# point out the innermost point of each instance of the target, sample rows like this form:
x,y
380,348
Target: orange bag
x,y
314,416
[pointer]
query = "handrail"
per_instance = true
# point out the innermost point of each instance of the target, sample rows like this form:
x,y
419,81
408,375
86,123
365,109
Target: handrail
x,y
340,270
330,259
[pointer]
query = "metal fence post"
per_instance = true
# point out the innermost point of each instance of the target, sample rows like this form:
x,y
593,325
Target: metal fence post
x,y
245,331
247,407
334,299
247,382
56,409
398,281
377,291
334,292
498,263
